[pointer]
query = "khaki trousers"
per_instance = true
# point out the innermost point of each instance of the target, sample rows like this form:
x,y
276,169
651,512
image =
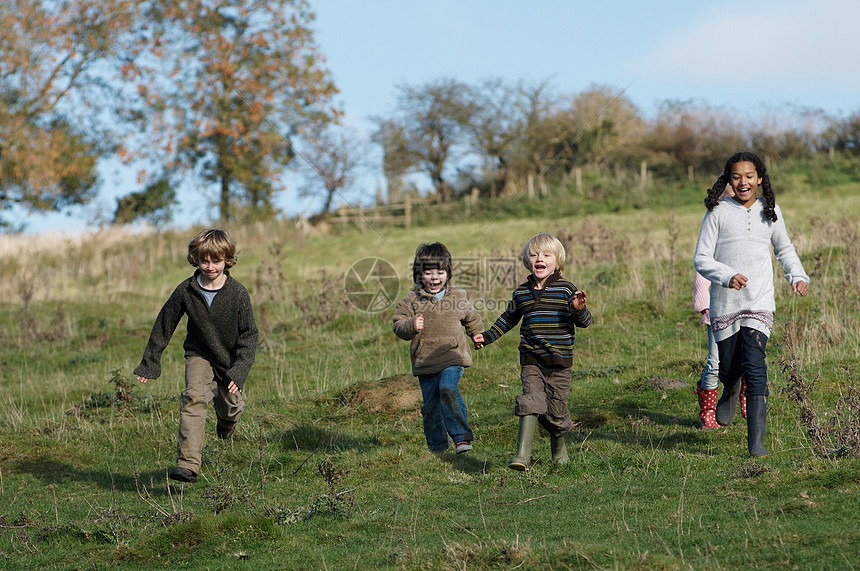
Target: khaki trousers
x,y
201,388
545,392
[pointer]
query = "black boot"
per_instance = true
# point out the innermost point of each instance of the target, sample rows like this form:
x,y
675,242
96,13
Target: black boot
x,y
728,403
756,416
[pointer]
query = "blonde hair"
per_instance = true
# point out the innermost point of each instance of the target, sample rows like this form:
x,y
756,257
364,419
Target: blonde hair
x,y
213,244
544,243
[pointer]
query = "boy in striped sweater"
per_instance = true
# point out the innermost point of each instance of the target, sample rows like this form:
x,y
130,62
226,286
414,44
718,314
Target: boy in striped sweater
x,y
550,307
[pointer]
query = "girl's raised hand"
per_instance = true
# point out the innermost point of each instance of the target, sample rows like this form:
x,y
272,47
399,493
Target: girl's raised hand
x,y
419,321
800,287
738,281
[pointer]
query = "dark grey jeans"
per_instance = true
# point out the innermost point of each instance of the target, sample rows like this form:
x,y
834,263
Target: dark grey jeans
x,y
744,354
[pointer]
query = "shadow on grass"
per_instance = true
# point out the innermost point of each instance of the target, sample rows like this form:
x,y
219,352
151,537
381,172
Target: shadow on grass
x,y
468,463
51,471
635,425
314,439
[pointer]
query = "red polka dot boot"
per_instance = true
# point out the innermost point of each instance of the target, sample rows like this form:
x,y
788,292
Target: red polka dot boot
x,y
707,406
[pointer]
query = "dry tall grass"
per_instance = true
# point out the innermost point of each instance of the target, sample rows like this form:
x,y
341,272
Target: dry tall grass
x,y
635,256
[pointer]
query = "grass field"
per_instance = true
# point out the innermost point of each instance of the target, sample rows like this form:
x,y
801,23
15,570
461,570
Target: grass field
x,y
329,468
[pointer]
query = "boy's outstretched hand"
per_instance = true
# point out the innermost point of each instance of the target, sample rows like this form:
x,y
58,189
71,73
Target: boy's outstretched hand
x,y
800,287
478,338
578,301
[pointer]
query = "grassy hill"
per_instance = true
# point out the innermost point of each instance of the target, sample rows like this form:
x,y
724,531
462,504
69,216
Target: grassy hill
x,y
329,468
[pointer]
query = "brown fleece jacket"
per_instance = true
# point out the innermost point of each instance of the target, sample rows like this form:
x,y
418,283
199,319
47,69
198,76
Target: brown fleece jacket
x,y
441,343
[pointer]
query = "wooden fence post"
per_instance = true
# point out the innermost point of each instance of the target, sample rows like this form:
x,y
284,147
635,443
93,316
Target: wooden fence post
x,y
407,211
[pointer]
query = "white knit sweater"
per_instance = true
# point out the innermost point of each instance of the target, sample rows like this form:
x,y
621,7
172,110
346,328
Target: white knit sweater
x,y
737,240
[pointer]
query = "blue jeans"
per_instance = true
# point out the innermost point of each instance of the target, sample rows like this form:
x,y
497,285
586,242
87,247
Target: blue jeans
x,y
711,374
444,409
743,354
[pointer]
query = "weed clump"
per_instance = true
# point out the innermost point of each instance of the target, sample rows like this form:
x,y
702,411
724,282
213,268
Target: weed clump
x,y
335,501
323,301
750,469
488,554
122,397
838,436
224,489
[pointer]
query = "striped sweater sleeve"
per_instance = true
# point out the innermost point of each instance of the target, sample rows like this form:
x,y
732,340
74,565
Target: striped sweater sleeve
x,y
507,320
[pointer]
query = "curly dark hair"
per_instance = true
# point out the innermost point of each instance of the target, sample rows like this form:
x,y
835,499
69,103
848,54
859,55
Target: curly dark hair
x,y
433,256
716,191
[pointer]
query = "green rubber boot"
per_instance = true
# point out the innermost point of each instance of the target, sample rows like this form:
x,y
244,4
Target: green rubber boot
x,y
559,450
525,438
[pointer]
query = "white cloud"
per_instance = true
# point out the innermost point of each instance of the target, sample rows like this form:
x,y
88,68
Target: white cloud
x,y
800,45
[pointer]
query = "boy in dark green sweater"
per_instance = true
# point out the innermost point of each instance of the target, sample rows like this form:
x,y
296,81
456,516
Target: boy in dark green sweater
x,y
549,307
219,348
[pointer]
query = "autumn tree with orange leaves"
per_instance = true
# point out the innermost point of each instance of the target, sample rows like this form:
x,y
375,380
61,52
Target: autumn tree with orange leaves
x,y
52,88
221,88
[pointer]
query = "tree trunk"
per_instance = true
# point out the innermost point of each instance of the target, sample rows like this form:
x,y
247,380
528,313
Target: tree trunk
x,y
327,206
225,200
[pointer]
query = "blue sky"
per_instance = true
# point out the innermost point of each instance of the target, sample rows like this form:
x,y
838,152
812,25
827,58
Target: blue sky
x,y
738,54
745,56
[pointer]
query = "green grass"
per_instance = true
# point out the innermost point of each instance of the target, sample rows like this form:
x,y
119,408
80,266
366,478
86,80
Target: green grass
x,y
329,468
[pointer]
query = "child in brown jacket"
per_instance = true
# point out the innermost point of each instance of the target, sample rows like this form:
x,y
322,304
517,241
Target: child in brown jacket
x,y
432,316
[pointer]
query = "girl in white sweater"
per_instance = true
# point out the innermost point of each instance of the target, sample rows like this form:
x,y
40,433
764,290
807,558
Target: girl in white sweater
x,y
734,253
